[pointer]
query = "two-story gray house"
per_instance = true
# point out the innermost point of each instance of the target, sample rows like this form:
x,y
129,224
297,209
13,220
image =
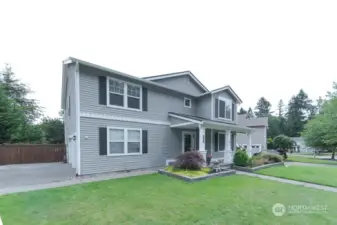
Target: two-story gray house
x,y
115,121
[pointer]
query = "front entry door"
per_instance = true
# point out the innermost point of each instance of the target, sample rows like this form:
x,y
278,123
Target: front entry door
x,y
189,141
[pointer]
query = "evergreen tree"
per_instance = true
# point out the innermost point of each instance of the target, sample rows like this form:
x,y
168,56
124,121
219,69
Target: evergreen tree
x,y
250,113
262,108
18,91
242,111
299,108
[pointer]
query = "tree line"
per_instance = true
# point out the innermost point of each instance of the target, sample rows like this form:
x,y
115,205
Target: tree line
x,y
21,117
294,118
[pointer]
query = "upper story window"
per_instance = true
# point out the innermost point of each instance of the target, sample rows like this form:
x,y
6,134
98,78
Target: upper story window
x,y
188,102
225,109
124,95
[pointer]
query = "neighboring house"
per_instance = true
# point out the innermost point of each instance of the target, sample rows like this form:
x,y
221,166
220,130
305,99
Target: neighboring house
x,y
115,121
300,145
259,137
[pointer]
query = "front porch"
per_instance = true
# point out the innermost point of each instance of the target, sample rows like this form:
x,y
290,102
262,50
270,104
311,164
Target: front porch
x,y
208,136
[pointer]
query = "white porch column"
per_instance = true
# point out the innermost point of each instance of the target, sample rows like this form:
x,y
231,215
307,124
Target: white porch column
x,y
228,159
202,140
249,144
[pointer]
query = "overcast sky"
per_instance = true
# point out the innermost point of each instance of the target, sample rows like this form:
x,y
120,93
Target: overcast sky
x,y
260,48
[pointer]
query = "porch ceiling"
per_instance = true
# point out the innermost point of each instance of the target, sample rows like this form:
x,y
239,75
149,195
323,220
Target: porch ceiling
x,y
195,121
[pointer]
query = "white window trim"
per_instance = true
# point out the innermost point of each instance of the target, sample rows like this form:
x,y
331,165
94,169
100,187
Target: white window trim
x,y
190,102
227,101
125,95
125,141
224,133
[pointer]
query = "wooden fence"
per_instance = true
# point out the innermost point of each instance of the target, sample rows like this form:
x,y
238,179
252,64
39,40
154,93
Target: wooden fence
x,y
37,153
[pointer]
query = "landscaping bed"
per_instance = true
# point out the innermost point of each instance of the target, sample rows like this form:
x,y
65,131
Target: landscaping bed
x,y
310,174
192,176
257,162
190,167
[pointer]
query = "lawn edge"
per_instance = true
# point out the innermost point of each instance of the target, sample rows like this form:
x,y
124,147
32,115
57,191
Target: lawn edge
x,y
257,168
321,163
308,182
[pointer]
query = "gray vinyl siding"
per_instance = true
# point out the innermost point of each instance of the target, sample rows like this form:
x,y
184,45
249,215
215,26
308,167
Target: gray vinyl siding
x,y
175,121
204,107
182,83
176,142
162,144
259,136
70,121
227,95
159,101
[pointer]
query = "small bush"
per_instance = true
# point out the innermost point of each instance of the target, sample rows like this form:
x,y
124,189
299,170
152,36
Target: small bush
x,y
192,160
241,158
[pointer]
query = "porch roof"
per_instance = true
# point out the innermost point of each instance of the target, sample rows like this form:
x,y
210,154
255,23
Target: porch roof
x,y
208,123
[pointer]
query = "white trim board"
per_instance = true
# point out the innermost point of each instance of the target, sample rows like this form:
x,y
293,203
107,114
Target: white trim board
x,y
122,118
78,131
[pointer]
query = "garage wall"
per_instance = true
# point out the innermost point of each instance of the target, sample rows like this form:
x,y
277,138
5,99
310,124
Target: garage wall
x,y
259,136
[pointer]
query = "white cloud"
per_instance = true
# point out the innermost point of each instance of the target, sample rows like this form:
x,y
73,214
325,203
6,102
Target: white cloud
x,y
260,48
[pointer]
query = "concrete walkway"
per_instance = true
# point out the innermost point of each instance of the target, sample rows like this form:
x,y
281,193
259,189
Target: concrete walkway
x,y
282,180
75,180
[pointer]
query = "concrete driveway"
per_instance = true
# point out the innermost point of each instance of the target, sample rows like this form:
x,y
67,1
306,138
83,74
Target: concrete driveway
x,y
19,175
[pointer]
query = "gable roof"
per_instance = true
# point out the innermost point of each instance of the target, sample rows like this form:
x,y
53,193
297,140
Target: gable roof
x,y
252,122
224,88
178,74
70,60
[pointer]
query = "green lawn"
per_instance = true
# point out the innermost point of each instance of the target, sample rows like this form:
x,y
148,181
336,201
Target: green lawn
x,y
316,174
157,199
310,160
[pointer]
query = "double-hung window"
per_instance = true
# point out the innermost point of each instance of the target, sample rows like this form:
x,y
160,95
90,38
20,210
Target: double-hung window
x,y
225,109
124,95
124,141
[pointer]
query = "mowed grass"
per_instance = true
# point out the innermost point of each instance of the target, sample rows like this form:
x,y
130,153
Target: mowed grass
x,y
157,200
310,160
315,174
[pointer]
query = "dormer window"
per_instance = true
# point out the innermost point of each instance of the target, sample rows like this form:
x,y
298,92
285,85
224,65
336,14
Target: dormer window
x,y
188,102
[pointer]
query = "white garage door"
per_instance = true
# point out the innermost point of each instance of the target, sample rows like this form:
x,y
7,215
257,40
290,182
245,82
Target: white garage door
x,y
255,148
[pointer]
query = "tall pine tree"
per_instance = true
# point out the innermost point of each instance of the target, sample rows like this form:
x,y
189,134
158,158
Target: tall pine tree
x,y
262,108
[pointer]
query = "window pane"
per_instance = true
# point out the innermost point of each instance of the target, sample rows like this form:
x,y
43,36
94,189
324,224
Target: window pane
x,y
221,142
187,102
134,135
116,99
133,91
221,109
117,147
228,111
116,87
133,103
116,135
133,147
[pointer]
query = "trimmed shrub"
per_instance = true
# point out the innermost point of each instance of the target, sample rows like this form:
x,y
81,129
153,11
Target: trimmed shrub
x,y
241,158
192,160
271,158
